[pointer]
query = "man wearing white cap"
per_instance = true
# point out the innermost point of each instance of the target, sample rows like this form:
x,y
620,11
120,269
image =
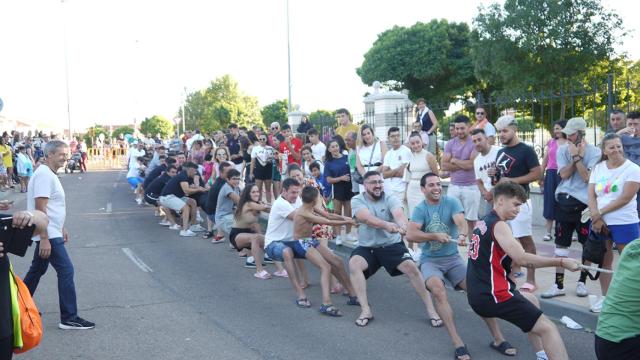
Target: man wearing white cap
x,y
518,162
135,152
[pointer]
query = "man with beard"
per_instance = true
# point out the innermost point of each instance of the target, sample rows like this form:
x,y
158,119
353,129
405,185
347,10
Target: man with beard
x,y
382,224
517,162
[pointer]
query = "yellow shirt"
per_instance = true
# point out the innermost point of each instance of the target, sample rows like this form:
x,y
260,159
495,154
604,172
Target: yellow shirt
x,y
343,130
7,159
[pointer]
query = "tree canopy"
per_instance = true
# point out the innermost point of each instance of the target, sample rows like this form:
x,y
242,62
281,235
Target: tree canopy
x,y
122,130
431,60
276,111
221,104
156,125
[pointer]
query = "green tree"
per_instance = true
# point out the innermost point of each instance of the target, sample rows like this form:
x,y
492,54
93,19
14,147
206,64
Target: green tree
x,y
122,130
220,104
542,42
431,60
93,132
323,118
156,125
276,111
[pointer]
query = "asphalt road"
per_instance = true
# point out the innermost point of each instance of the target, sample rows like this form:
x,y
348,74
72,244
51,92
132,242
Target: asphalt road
x,y
195,300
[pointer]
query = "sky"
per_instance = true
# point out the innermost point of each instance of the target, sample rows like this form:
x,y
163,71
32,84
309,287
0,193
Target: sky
x,y
131,59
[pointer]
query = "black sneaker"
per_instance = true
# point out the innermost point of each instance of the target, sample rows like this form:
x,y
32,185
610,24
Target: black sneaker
x,y
76,324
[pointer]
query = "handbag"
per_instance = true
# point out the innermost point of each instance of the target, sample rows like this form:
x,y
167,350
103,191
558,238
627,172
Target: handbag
x,y
30,327
594,248
356,175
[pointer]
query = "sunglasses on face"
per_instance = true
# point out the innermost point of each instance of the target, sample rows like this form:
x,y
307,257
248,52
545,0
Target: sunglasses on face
x,y
263,139
375,182
479,113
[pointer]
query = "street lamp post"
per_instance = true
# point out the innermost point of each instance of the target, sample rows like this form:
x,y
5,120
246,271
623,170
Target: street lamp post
x,y
66,66
289,57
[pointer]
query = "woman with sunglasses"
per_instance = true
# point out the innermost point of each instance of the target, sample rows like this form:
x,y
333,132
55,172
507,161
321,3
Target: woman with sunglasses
x,y
220,154
261,165
370,152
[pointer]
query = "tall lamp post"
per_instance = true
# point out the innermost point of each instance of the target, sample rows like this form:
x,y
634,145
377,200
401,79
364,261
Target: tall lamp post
x,y
289,57
66,66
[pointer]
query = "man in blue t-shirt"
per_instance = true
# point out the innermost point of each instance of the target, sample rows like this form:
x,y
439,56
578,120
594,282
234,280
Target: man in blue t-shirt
x,y
435,223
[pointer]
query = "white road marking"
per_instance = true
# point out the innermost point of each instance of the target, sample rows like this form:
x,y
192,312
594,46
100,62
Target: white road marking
x,y
136,260
108,207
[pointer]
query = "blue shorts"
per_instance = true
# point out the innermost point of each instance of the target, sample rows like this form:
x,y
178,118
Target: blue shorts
x,y
624,234
134,181
276,249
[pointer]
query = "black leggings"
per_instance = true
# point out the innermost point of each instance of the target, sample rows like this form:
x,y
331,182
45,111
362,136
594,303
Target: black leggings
x,y
6,348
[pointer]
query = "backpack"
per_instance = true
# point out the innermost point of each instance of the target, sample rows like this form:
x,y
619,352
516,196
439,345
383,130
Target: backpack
x,y
30,321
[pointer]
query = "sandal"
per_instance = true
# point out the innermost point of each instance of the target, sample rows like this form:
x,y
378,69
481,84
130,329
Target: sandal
x,y
503,348
461,353
281,273
353,301
264,275
436,323
207,235
528,287
303,303
330,310
364,321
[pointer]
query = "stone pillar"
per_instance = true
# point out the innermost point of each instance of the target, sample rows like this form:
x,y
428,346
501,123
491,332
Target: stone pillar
x,y
385,105
294,118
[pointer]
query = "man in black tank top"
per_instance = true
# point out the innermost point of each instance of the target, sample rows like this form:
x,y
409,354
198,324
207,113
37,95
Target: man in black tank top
x,y
490,291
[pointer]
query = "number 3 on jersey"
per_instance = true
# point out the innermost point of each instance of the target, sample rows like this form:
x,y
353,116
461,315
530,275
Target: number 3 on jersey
x,y
474,245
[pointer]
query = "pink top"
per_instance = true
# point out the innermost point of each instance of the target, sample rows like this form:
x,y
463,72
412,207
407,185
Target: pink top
x,y
552,162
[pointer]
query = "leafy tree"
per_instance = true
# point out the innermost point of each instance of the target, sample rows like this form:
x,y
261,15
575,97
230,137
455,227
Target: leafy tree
x,y
93,132
323,118
220,104
156,125
276,111
122,130
541,42
431,60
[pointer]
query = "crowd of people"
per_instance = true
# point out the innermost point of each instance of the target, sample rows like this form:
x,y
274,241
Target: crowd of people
x,y
388,199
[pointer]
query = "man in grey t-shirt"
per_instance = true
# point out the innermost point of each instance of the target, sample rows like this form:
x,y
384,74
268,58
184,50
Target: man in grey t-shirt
x,y
227,200
382,222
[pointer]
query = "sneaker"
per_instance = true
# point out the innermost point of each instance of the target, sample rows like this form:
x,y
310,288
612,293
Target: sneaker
x,y
164,223
139,201
76,324
574,238
175,227
547,237
187,233
250,263
198,217
553,292
581,289
268,260
197,228
596,307
217,240
338,240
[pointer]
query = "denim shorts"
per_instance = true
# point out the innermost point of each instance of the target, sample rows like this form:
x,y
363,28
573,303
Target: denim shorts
x,y
276,249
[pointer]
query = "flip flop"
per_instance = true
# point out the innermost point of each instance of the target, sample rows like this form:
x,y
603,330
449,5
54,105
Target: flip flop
x,y
528,287
460,352
436,323
503,348
303,303
330,310
364,321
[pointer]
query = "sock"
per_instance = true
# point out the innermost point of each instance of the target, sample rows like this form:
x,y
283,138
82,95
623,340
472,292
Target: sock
x,y
560,280
541,355
583,277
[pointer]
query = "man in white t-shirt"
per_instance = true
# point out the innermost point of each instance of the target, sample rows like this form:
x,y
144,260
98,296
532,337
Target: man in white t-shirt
x,y
134,152
45,193
485,160
395,161
318,148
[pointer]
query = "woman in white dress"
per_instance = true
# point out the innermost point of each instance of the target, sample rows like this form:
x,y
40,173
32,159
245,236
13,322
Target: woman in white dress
x,y
422,162
370,152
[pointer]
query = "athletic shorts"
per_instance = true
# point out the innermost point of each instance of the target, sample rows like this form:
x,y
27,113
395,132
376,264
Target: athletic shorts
x,y
235,232
173,202
626,349
624,234
261,172
449,268
134,181
469,196
225,224
564,232
518,310
276,249
521,226
388,257
151,199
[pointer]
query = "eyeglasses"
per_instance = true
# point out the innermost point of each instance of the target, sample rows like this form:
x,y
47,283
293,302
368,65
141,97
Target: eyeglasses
x,y
375,182
263,139
235,178
479,113
274,128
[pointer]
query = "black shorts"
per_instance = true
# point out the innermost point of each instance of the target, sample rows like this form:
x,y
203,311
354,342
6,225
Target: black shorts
x,y
262,172
232,237
388,257
342,191
151,199
626,349
518,310
564,232
200,198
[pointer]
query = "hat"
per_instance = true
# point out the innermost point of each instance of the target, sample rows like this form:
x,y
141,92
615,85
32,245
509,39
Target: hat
x,y
574,125
504,121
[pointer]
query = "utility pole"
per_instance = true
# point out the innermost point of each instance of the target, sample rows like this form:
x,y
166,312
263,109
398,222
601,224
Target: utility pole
x,y
66,67
289,56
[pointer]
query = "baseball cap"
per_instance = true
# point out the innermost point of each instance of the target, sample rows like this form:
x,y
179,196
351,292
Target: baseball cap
x,y
504,121
574,125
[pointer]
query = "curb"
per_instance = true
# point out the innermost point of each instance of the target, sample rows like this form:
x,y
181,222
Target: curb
x,y
552,308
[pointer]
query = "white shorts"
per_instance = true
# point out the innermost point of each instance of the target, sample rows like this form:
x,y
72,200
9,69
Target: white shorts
x,y
173,202
225,224
469,196
521,226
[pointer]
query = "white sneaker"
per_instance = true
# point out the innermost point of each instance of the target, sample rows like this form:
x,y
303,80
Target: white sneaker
x,y
175,227
198,217
581,289
339,240
596,306
164,223
139,201
187,233
552,292
197,228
